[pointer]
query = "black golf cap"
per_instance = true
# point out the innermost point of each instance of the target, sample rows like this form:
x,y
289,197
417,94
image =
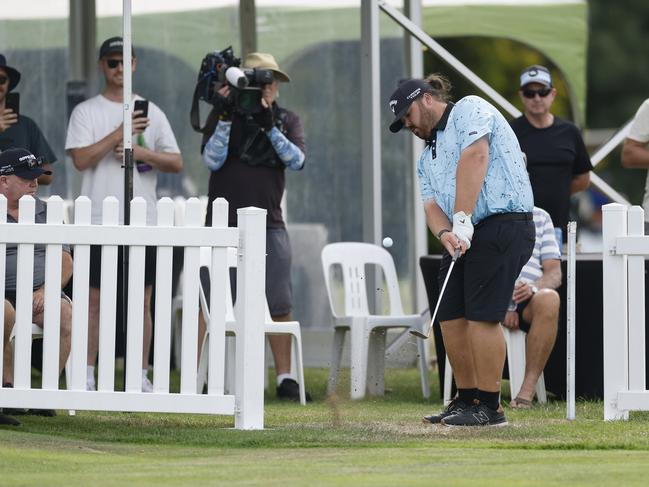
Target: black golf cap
x,y
114,45
22,163
400,101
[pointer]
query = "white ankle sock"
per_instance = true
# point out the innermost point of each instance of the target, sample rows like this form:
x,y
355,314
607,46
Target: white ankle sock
x,y
145,373
281,377
90,373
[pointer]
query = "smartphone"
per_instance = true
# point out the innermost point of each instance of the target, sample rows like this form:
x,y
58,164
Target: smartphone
x,y
12,101
142,105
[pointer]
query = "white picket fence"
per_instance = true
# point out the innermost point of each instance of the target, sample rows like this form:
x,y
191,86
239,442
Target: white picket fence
x,y
624,249
250,239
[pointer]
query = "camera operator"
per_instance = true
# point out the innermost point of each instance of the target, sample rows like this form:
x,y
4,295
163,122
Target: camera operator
x,y
247,155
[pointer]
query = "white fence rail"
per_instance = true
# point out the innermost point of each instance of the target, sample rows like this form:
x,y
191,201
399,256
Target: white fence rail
x,y
249,237
624,249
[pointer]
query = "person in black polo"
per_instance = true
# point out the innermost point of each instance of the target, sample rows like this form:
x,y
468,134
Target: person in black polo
x,y
557,161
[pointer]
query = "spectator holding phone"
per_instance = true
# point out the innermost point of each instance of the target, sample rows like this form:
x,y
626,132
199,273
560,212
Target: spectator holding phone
x,y
16,130
94,142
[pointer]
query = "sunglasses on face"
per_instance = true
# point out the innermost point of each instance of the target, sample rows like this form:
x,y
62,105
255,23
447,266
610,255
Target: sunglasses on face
x,y
3,79
113,63
542,92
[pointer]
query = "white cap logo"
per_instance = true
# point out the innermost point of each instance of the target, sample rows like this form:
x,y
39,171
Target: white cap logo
x,y
393,104
414,94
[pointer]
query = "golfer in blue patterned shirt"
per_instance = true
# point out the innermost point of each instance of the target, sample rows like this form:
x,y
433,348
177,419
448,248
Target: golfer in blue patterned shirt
x,y
478,199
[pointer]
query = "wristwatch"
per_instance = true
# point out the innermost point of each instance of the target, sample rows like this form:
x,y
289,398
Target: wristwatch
x,y
534,289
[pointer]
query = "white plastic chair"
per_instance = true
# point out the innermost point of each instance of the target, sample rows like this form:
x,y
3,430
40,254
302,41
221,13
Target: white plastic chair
x,y
515,341
37,333
271,327
368,332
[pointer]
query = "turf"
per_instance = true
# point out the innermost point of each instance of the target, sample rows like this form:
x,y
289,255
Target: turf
x,y
379,441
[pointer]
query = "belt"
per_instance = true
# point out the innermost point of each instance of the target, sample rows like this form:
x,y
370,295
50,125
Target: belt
x,y
507,217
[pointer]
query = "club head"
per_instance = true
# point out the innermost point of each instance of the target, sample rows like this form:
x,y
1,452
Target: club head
x,y
419,334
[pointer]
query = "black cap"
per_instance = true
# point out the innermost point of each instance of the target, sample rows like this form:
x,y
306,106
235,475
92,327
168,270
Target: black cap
x,y
22,163
400,101
114,45
12,73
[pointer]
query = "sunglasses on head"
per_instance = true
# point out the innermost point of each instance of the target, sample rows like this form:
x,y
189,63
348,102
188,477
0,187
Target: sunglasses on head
x,y
542,92
30,163
113,63
3,79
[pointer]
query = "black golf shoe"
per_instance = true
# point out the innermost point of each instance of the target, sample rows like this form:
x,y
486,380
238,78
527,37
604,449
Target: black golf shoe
x,y
456,406
290,390
8,420
477,415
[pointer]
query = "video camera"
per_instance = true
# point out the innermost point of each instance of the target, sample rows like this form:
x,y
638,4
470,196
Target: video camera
x,y
222,67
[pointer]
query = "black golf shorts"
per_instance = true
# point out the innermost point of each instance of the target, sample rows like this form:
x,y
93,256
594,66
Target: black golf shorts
x,y
481,285
279,291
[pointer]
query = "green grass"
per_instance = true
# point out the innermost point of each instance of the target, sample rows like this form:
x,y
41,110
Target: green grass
x,y
376,441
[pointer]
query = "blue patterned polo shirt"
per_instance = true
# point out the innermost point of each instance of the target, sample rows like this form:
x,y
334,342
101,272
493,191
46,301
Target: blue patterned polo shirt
x,y
506,188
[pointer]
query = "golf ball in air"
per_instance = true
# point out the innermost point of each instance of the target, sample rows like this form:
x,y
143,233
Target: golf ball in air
x,y
387,242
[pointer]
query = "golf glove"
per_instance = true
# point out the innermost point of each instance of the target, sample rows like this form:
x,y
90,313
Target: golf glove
x,y
463,228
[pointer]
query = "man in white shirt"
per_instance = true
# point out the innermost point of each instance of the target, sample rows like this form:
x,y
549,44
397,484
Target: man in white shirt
x,y
635,152
94,142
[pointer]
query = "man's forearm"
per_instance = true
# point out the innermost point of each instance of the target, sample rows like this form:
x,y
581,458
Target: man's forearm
x,y
87,157
551,279
635,155
436,219
162,161
579,182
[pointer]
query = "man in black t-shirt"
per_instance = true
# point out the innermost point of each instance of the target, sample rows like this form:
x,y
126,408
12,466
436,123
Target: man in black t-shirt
x,y
19,131
557,161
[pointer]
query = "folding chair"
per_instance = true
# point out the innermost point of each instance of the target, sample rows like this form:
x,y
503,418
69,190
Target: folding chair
x,y
271,327
368,332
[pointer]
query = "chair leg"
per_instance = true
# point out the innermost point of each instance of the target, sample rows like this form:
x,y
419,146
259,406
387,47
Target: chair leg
x,y
68,384
299,366
423,369
376,362
336,355
515,344
229,364
448,381
541,395
359,356
203,364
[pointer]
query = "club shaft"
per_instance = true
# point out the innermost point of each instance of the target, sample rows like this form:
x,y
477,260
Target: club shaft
x,y
439,299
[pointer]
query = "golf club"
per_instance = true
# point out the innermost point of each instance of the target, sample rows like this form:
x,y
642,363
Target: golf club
x,y
439,300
